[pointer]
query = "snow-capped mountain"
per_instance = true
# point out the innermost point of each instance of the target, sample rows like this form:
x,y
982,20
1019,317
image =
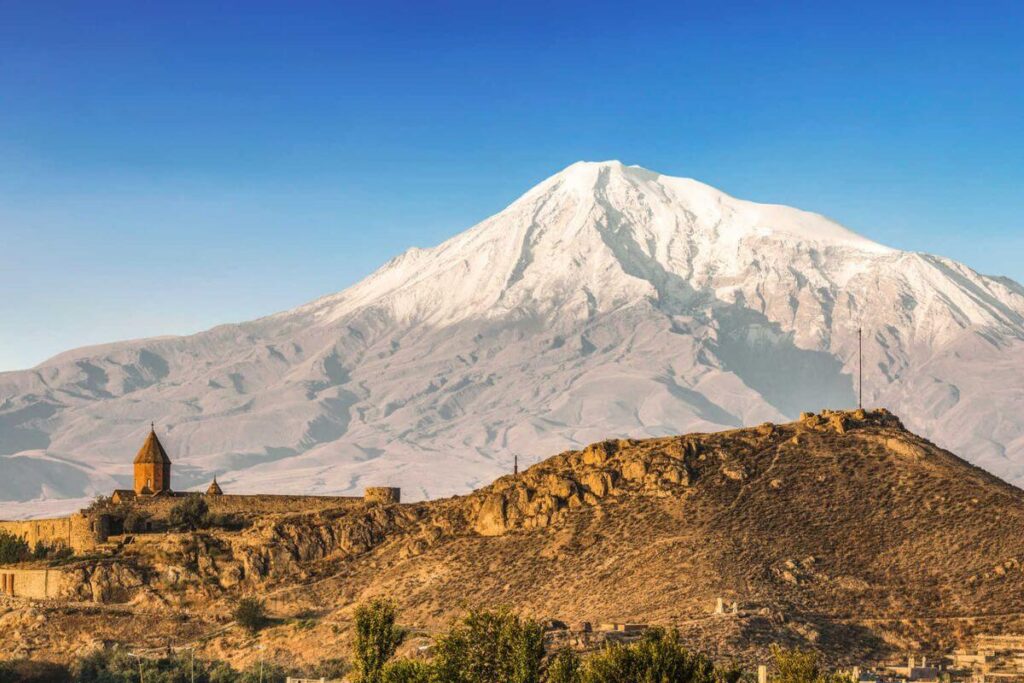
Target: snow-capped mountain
x,y
606,301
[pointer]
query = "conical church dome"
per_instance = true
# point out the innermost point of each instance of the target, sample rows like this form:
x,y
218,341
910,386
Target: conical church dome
x,y
152,451
214,489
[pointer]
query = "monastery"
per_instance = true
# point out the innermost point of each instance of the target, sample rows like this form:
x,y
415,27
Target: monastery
x,y
152,497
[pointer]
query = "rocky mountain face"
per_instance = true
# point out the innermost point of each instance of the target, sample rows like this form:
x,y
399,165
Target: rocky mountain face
x,y
841,532
606,301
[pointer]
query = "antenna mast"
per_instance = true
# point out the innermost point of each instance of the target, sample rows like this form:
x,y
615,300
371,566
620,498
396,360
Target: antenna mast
x,y
860,367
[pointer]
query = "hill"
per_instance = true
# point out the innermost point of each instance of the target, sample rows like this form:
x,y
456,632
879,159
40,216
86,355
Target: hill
x,y
842,531
607,301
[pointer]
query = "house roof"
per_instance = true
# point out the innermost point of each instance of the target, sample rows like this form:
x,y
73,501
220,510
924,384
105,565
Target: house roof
x,y
152,451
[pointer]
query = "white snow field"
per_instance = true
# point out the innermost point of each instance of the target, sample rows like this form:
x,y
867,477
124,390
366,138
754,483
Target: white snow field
x,y
607,301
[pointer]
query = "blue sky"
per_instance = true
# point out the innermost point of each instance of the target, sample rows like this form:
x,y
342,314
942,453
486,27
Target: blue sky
x,y
165,167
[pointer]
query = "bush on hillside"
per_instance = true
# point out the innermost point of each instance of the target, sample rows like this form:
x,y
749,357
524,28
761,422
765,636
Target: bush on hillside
x,y
135,522
250,614
12,548
190,514
26,671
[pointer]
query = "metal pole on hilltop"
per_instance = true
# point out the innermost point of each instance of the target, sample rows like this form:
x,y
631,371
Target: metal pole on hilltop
x,y
860,367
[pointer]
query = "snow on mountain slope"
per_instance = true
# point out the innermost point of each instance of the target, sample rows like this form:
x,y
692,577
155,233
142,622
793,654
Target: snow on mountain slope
x,y
608,300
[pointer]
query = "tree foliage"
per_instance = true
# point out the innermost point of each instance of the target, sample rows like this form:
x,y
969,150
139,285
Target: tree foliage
x,y
27,671
118,665
491,646
190,514
796,666
135,521
377,638
565,667
250,614
12,548
408,671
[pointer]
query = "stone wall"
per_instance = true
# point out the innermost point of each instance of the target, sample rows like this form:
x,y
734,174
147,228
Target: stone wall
x,y
37,584
160,506
83,532
78,531
383,494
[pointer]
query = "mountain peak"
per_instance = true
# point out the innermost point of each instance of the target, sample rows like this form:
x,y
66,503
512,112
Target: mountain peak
x,y
609,300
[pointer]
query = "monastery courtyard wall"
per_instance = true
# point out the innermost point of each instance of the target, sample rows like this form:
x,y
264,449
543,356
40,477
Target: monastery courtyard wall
x,y
160,506
84,531
78,531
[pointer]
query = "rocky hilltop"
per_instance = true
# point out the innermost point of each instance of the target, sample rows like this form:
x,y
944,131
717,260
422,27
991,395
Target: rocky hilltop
x,y
841,531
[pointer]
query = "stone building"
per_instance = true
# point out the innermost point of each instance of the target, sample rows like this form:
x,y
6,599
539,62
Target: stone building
x,y
152,467
152,498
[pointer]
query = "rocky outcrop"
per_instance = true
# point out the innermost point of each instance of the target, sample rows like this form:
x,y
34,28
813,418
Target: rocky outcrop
x,y
540,495
537,497
103,582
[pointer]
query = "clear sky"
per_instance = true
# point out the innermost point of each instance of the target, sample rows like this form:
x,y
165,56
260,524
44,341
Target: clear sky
x,y
165,167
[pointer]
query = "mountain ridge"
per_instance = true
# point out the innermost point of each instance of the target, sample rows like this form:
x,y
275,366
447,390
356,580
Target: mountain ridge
x,y
607,300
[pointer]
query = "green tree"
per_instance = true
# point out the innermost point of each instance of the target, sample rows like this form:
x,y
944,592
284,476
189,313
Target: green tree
x,y
658,657
491,646
12,548
377,638
250,614
796,666
407,671
190,514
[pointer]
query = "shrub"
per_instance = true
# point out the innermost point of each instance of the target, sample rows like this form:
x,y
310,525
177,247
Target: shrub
x,y
377,638
329,668
407,671
190,514
659,656
262,672
565,667
25,671
41,551
116,665
250,614
227,521
12,548
796,666
491,646
99,503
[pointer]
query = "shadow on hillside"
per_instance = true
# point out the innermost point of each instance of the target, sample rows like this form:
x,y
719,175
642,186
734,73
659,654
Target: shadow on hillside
x,y
749,345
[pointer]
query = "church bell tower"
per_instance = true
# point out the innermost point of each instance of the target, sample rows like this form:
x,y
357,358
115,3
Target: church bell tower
x,y
152,467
